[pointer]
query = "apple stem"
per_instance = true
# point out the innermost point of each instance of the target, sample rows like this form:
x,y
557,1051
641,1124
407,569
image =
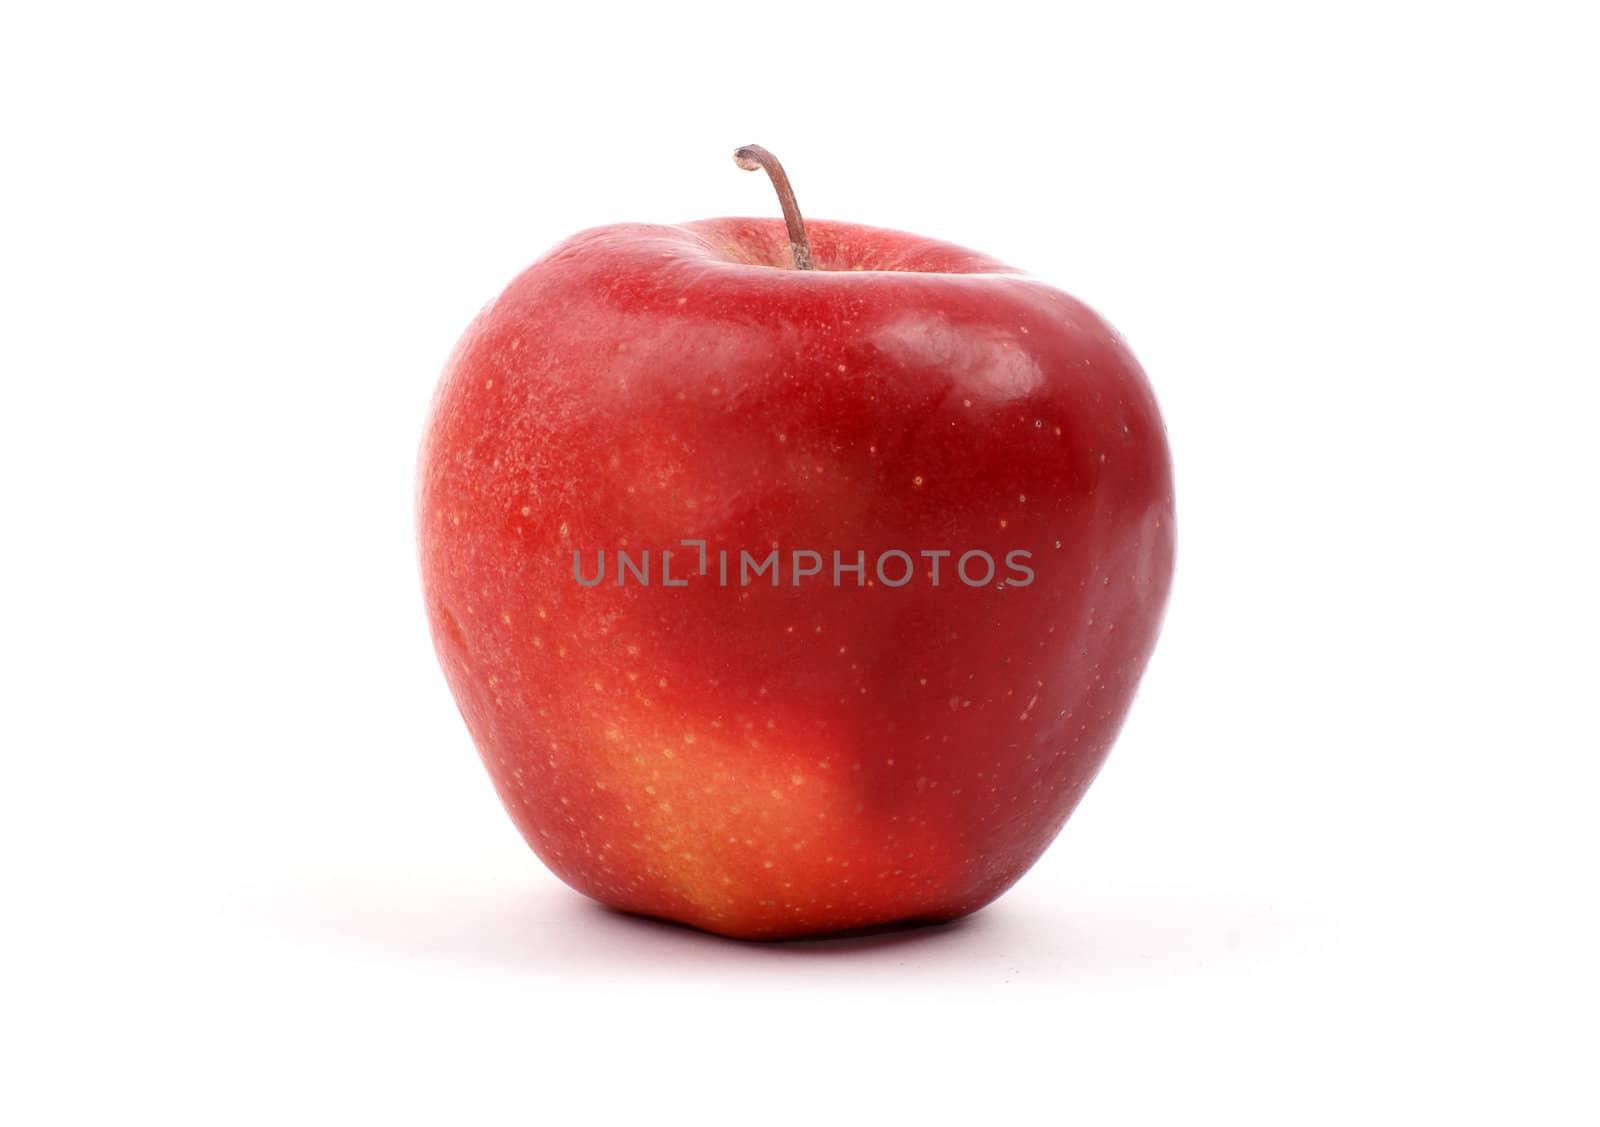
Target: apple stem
x,y
752,157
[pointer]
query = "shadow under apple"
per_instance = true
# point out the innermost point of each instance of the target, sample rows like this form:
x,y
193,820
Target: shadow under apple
x,y
547,930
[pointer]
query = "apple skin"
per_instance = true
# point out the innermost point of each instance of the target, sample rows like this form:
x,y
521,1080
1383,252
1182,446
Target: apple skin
x,y
773,762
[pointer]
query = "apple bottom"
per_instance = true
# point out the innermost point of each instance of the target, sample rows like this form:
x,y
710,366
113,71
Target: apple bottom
x,y
754,813
747,851
776,761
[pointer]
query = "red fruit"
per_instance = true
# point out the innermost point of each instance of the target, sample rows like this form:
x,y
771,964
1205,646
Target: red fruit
x,y
771,761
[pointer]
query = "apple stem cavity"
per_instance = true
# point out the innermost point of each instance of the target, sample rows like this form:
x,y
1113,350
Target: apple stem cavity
x,y
753,157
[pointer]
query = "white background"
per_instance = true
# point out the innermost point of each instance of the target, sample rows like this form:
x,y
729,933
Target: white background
x,y
1341,862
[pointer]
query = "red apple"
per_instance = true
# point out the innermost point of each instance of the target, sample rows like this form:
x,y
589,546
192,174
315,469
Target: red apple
x,y
836,749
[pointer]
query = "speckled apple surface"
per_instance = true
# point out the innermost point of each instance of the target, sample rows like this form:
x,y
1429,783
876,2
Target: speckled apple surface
x,y
775,761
